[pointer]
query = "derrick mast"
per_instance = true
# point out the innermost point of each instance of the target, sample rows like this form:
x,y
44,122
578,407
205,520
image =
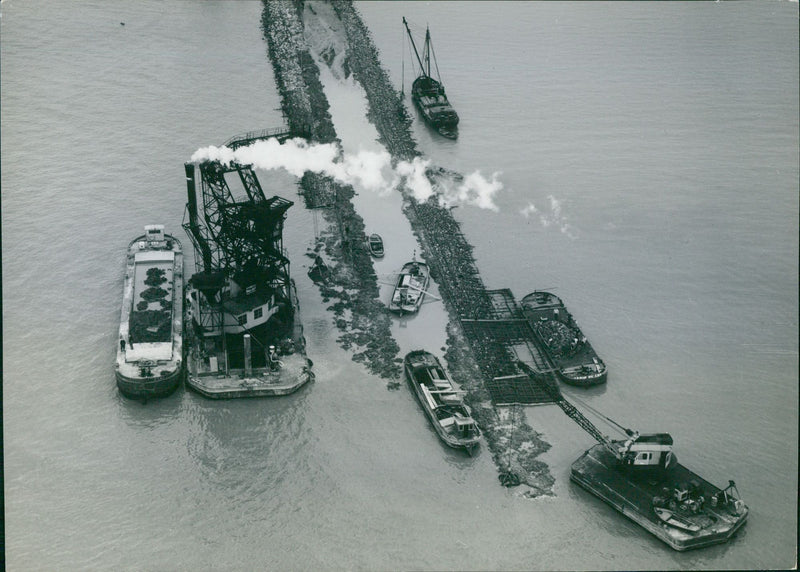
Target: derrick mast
x,y
242,284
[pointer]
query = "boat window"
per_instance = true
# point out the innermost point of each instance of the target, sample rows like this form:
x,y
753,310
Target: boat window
x,y
257,313
242,319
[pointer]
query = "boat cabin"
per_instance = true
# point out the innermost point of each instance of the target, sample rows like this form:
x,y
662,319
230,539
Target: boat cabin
x,y
154,234
647,451
464,427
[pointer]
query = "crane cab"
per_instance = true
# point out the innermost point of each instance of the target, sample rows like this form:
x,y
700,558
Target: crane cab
x,y
652,451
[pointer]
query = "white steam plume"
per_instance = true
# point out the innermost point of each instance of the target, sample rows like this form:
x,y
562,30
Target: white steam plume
x,y
553,217
367,170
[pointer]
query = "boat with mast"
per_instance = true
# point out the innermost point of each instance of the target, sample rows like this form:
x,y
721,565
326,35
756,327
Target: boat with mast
x,y
428,93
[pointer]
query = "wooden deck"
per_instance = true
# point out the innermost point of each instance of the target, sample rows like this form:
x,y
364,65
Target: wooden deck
x,y
262,382
632,495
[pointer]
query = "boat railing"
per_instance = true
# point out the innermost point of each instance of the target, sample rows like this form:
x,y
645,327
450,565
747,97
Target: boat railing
x,y
244,139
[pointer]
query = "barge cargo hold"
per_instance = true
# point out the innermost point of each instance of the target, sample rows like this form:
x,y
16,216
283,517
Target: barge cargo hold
x,y
566,346
676,505
149,359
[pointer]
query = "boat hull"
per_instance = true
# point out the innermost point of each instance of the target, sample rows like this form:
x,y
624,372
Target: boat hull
x,y
375,245
429,98
410,365
583,380
409,291
143,388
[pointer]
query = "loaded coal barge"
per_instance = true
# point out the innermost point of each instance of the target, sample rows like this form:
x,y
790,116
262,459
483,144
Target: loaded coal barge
x,y
150,351
559,335
243,322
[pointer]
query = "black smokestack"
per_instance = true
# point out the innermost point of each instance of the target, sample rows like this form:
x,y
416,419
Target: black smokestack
x,y
191,192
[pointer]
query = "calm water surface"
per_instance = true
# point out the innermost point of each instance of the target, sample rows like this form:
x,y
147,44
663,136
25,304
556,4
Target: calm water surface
x,y
658,144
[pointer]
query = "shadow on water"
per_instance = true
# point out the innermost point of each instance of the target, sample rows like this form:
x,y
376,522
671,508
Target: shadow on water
x,y
459,458
150,413
583,392
230,438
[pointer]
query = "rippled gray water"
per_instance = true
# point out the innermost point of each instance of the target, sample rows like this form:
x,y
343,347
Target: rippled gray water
x,y
659,145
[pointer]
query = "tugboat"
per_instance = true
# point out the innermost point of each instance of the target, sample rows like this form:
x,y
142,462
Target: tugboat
x,y
428,93
450,416
150,351
244,329
566,346
409,290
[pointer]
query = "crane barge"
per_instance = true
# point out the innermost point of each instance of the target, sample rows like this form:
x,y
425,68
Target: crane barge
x,y
244,330
640,476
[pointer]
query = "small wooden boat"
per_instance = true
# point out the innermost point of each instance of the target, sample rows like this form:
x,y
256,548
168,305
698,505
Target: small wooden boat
x,y
672,519
375,245
451,418
410,287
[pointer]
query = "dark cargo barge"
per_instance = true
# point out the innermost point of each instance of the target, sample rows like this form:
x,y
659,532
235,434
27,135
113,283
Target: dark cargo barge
x,y
675,504
561,338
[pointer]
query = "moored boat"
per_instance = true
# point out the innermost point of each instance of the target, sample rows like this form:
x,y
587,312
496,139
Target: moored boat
x,y
442,402
671,518
244,331
566,346
375,245
149,360
428,93
409,290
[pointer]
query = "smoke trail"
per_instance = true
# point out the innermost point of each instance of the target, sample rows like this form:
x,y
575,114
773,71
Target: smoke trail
x,y
417,180
367,170
553,217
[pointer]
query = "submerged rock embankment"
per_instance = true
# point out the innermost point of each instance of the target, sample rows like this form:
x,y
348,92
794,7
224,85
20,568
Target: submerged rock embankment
x,y
351,284
514,445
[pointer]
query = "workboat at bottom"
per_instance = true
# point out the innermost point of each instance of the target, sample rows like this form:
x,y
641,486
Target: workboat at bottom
x,y
644,482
